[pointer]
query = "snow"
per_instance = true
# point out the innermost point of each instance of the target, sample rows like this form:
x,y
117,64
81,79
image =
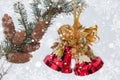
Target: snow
x,y
38,64
104,13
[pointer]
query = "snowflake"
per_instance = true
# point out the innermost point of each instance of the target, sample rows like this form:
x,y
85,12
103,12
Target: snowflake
x,y
38,64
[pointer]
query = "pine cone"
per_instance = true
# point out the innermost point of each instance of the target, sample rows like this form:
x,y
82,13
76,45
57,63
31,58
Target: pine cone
x,y
8,25
18,38
38,31
18,57
30,47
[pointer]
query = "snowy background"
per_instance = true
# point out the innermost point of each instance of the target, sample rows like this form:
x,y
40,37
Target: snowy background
x,y
104,13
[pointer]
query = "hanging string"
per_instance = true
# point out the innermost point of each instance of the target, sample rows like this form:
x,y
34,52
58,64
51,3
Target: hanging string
x,y
74,7
81,8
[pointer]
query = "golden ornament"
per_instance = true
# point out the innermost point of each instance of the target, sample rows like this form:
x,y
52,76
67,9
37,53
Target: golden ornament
x,y
77,36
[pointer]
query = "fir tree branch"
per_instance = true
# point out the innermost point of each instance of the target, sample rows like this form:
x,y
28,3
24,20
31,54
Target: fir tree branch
x,y
53,9
20,9
36,10
5,48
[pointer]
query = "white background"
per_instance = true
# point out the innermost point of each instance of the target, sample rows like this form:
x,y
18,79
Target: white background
x,y
104,13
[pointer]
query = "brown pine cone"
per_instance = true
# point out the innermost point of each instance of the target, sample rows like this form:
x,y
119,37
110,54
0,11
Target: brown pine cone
x,y
19,57
38,31
8,25
18,38
30,47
